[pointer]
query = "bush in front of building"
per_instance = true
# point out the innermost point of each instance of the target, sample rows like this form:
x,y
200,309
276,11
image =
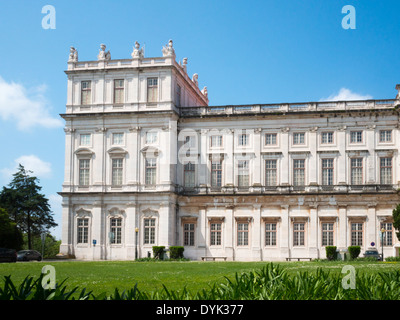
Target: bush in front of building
x,y
176,252
354,252
158,252
331,253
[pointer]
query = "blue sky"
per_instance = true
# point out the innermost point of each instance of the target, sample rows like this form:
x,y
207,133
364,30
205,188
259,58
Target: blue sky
x,y
244,52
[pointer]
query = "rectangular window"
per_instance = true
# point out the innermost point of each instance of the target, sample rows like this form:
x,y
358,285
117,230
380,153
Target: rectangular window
x,y
216,173
84,171
189,178
243,139
117,168
298,172
116,229
385,136
149,231
327,234
83,230
151,137
216,141
386,170
178,95
190,141
119,91
84,139
356,137
387,234
152,90
86,92
327,172
118,138
298,138
298,234
327,137
243,173
270,139
270,234
356,234
356,171
188,234
215,234
243,234
270,173
151,170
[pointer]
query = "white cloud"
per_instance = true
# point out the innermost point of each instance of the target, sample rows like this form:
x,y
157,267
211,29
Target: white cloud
x,y
345,94
28,107
40,168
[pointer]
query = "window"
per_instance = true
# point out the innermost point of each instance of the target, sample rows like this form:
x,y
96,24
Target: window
x,y
188,234
298,172
327,172
150,171
327,234
118,91
216,141
270,173
86,92
327,137
270,139
152,90
243,234
151,137
356,171
385,136
178,95
149,231
118,138
190,141
84,170
189,178
116,230
216,173
356,137
388,233
243,173
298,234
117,168
298,138
84,139
386,170
83,230
215,233
356,234
243,139
270,234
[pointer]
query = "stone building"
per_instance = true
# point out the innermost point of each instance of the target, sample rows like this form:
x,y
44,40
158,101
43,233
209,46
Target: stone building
x,y
148,162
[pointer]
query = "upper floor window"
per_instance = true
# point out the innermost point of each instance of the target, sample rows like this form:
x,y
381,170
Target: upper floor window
x,y
117,138
86,92
270,172
327,172
356,137
386,170
189,177
243,139
356,170
152,89
299,172
84,139
270,139
327,137
216,141
216,173
84,172
151,137
178,95
150,171
117,169
243,173
299,138
118,91
385,136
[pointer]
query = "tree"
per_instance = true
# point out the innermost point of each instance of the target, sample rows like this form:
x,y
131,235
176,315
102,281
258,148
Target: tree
x,y
10,236
396,220
26,206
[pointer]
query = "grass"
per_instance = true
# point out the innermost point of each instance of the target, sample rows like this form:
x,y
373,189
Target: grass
x,y
105,276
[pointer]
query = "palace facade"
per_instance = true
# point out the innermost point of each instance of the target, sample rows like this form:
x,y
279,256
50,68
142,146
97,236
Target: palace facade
x,y
149,163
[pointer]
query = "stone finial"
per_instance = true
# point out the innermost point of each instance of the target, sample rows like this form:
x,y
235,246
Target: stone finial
x,y
103,55
184,64
138,53
205,92
195,79
168,50
398,91
73,55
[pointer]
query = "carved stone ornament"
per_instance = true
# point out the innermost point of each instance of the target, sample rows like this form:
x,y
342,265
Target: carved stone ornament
x,y
184,64
398,91
205,92
195,79
73,55
103,55
138,53
168,50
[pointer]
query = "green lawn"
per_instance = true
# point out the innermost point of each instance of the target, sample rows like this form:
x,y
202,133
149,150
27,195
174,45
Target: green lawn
x,y
105,276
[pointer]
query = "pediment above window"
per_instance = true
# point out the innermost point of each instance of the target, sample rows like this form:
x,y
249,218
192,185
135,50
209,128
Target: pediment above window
x,y
84,152
150,151
117,151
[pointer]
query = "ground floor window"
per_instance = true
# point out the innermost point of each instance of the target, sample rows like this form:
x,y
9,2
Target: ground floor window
x,y
270,234
243,234
188,234
215,233
83,230
356,234
149,231
298,234
327,234
387,233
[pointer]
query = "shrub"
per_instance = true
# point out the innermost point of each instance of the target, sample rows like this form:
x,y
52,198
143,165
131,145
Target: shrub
x,y
331,253
354,252
392,259
176,252
158,252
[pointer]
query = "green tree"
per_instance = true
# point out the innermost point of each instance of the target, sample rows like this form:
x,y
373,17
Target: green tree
x,y
26,206
10,236
396,220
